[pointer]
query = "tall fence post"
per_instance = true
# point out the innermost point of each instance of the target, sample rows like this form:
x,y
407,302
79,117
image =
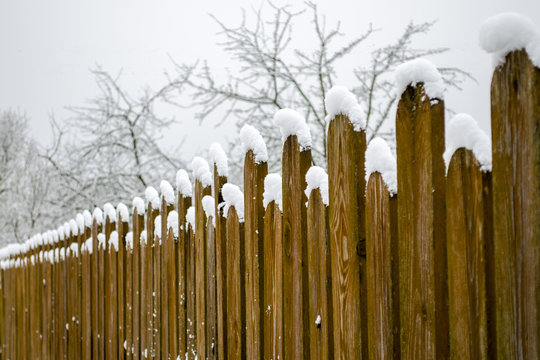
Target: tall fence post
x,y
138,290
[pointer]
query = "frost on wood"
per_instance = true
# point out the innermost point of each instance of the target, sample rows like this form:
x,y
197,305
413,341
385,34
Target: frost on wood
x,y
98,216
190,217
201,171
419,71
167,192
252,140
463,132
172,222
183,184
87,218
152,197
292,123
317,178
138,204
208,205
234,197
122,211
113,240
339,100
218,157
272,190
507,32
110,213
379,159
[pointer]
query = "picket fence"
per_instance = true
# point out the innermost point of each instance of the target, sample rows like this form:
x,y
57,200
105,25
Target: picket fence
x,y
447,268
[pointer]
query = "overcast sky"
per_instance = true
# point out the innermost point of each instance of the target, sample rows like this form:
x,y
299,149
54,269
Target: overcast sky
x,y
49,46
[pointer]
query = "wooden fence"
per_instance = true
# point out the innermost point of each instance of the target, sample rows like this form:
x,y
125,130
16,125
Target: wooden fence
x,y
448,267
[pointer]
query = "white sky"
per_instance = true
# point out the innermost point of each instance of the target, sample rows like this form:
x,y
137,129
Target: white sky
x,y
49,46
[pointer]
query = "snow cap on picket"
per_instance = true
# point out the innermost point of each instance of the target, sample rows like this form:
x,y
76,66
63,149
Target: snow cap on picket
x,y
201,171
419,71
233,196
291,123
122,212
110,213
218,157
208,205
144,237
73,227
507,32
55,236
80,222
172,222
74,248
464,132
157,227
129,241
339,100
88,245
138,204
67,229
152,197
87,218
252,140
113,240
101,241
272,190
167,192
98,216
316,178
379,159
183,184
190,217
61,233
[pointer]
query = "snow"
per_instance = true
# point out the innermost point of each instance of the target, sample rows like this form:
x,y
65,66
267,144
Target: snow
x,y
190,217
74,247
110,213
88,245
62,253
419,71
292,123
55,236
201,171
157,227
208,205
80,222
129,241
87,219
183,184
138,204
272,190
218,157
60,232
67,230
73,227
113,240
379,159
144,237
507,32
167,192
252,140
152,197
463,132
122,212
98,216
172,222
234,197
101,241
339,100
317,178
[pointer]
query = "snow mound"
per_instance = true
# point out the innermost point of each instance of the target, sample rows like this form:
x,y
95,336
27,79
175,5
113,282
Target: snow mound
x,y
190,217
183,184
292,123
507,32
138,204
74,228
252,140
419,71
201,171
273,190
113,240
317,178
61,233
157,227
218,157
80,222
152,197
101,241
98,216
463,132
234,197
144,237
110,213
208,205
129,241
74,249
87,219
167,192
379,159
172,222
122,212
339,100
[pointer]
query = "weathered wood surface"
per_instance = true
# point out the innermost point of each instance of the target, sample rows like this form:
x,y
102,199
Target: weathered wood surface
x,y
191,313
515,129
320,279
110,273
346,149
182,260
382,270
123,302
137,289
211,295
421,225
295,164
167,280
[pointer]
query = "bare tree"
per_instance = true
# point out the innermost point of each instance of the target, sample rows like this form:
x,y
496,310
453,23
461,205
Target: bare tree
x,y
274,73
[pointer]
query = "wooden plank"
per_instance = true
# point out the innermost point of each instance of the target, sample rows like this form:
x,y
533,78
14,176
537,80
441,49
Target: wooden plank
x,y
421,225
123,301
515,116
86,300
110,273
182,251
382,270
211,296
320,290
295,164
273,287
167,280
467,297
236,311
129,346
191,313
346,149
148,350
95,257
172,291
137,265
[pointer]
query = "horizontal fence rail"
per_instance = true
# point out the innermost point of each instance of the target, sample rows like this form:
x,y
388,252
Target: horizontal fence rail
x,y
381,258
